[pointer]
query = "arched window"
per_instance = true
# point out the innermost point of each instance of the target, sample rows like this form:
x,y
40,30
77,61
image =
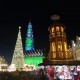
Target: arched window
x,y
53,34
59,46
57,28
65,46
53,47
62,29
52,30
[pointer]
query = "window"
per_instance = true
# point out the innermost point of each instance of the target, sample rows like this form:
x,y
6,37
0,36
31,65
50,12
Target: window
x,y
52,30
59,46
62,29
54,55
53,46
65,46
57,28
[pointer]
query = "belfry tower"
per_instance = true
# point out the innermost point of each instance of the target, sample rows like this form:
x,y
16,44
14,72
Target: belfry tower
x,y
58,41
59,53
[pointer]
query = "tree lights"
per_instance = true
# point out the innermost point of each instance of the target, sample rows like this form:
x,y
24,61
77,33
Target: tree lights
x,y
18,56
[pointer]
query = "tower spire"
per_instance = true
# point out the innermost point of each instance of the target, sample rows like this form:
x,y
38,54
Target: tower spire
x,y
29,38
18,57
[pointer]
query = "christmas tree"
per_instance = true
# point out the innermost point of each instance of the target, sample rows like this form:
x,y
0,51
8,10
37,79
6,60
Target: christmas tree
x,y
18,56
29,38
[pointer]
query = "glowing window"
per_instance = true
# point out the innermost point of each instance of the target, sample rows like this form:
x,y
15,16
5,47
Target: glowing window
x,y
57,28
52,29
54,55
62,29
53,47
59,46
65,46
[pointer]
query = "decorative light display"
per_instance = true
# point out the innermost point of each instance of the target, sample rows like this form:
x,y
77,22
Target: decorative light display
x,y
3,64
18,56
62,72
33,57
35,60
29,38
12,68
28,67
76,48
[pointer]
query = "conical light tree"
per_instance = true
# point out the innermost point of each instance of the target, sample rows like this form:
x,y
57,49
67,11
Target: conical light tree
x,y
18,56
29,38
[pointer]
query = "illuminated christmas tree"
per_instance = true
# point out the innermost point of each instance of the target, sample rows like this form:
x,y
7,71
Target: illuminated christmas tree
x,y
29,38
18,56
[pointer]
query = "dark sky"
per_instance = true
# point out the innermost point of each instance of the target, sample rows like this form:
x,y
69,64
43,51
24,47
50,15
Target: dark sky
x,y
15,13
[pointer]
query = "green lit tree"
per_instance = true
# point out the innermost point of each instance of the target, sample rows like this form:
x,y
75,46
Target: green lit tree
x,y
29,38
18,56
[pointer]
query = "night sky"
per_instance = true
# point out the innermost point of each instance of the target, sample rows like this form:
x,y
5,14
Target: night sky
x,y
15,13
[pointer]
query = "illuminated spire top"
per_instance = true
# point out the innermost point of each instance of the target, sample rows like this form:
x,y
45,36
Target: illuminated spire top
x,y
29,38
19,27
55,17
30,25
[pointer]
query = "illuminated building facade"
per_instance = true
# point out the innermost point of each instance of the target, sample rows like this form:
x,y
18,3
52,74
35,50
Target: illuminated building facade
x,y
3,64
76,48
32,56
58,42
59,53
